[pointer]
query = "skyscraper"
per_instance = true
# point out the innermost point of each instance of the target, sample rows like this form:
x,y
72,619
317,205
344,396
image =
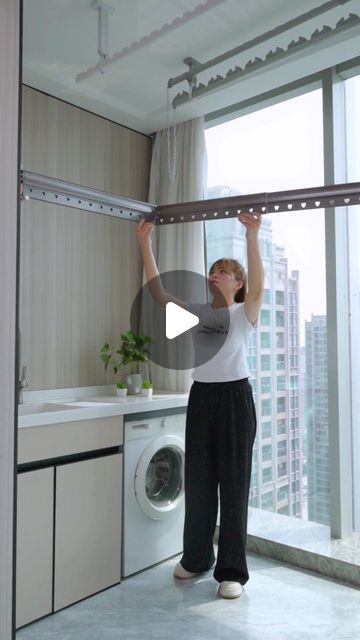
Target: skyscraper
x,y
316,408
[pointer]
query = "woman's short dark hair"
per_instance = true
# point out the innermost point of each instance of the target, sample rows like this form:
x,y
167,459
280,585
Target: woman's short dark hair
x,y
239,273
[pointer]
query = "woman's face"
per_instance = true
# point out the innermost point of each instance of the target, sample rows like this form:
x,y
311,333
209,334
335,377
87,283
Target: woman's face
x,y
222,278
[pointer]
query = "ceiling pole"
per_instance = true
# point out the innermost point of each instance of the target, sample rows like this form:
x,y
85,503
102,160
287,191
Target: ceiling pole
x,y
104,11
142,42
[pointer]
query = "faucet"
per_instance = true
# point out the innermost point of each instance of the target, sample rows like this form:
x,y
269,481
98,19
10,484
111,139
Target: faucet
x,y
23,383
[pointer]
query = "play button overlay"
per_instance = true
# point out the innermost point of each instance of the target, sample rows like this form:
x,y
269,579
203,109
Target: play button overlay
x,y
178,320
186,331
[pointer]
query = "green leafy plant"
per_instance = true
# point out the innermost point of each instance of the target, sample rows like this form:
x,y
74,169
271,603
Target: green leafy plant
x,y
121,385
133,350
146,384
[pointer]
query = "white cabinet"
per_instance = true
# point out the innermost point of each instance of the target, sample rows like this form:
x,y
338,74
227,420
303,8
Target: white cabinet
x,y
34,563
68,515
88,528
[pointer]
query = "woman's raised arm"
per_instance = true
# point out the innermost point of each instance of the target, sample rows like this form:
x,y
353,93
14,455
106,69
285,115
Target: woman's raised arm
x,y
160,295
254,294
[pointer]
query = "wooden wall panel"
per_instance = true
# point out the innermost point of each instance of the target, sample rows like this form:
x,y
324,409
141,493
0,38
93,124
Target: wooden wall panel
x,y
66,142
79,271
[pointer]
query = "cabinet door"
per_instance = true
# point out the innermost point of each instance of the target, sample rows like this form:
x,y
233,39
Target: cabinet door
x,y
88,528
35,516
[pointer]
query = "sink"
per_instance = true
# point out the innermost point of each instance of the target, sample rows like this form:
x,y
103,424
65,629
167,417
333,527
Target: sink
x,y
88,403
41,407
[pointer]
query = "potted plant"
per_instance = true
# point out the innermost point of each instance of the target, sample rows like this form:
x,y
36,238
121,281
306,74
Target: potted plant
x,y
133,350
147,388
121,389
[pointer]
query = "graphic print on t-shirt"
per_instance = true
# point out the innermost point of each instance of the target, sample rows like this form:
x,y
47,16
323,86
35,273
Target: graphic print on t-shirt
x,y
211,333
229,361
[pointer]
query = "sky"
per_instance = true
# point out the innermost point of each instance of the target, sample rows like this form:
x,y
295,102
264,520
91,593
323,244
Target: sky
x,y
275,149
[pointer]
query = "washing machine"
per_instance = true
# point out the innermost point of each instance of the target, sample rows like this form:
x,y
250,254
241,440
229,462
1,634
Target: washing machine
x,y
153,488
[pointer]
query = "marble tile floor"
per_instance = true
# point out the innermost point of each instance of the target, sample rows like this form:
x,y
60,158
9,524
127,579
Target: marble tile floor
x,y
279,603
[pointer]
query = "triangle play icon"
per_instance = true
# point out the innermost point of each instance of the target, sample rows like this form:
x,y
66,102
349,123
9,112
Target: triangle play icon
x,y
178,320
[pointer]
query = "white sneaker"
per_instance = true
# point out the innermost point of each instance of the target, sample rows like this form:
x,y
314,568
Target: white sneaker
x,y
229,589
183,574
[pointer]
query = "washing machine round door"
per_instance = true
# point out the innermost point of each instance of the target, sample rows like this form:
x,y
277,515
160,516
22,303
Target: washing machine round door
x,y
159,478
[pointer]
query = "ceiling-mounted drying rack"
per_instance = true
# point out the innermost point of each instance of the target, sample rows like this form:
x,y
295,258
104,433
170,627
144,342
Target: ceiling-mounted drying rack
x,y
277,54
67,194
37,187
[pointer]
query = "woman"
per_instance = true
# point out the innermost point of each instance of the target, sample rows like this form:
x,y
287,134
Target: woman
x,y
220,420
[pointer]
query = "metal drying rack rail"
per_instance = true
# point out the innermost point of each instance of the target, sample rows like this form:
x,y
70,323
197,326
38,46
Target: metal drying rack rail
x,y
67,194
53,191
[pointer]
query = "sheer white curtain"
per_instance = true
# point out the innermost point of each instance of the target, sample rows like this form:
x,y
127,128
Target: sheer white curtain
x,y
178,246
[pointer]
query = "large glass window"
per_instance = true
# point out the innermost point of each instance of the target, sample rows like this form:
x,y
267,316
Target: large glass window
x,y
273,149
266,429
282,448
267,475
281,426
266,453
265,340
280,298
266,385
280,319
265,317
268,501
266,407
280,340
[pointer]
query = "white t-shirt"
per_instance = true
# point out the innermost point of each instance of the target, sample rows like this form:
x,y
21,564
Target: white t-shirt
x,y
230,361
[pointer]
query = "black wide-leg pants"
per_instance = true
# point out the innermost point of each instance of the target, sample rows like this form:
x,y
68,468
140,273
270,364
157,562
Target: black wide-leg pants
x,y
220,433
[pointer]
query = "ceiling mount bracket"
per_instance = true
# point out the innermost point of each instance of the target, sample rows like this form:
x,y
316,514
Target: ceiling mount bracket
x,y
190,75
104,11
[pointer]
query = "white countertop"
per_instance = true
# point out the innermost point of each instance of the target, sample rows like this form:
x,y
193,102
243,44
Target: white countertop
x,y
54,406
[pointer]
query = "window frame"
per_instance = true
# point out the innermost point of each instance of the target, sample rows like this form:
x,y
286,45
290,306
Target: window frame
x,y
340,406
354,299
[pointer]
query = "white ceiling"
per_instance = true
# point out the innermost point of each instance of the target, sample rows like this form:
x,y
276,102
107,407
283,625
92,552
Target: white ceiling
x,y
60,42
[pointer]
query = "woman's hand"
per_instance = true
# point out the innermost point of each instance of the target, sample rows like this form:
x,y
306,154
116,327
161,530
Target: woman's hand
x,y
252,222
144,231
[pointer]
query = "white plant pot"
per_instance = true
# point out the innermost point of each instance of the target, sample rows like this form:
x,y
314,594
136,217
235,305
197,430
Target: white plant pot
x,y
134,383
121,392
146,392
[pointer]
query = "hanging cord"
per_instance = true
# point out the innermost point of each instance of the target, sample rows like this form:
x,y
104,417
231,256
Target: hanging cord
x,y
171,140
